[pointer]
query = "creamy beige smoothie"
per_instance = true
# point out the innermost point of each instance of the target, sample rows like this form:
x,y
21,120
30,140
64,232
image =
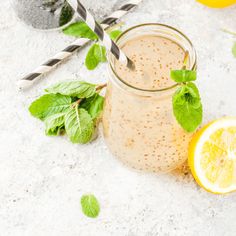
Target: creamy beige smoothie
x,y
140,128
154,58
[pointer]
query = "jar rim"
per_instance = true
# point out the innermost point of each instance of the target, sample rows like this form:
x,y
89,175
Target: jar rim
x,y
111,65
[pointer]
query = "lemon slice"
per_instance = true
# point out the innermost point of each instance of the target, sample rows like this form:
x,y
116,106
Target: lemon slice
x,y
217,3
212,156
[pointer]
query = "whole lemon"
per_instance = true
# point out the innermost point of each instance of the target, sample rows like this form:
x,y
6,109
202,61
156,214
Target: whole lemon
x,y
217,3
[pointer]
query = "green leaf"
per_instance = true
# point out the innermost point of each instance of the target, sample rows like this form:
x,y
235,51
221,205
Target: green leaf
x,y
79,125
54,124
100,53
66,14
90,205
94,105
49,104
234,49
80,89
183,75
95,55
80,30
115,34
187,107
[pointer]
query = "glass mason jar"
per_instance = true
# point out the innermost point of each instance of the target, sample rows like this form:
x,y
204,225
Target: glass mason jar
x,y
138,124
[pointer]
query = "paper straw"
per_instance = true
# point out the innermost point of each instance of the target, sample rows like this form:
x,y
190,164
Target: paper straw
x,y
109,44
49,65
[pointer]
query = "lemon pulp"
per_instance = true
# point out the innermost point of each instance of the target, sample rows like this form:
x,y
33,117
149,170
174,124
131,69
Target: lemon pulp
x,y
212,156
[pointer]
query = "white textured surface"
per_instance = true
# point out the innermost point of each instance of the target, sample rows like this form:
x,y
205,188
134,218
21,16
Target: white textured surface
x,y
43,178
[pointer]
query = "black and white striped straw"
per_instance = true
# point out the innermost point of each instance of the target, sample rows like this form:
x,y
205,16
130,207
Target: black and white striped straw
x,y
49,65
102,35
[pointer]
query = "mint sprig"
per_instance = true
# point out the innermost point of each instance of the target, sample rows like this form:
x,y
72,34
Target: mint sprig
x,y
80,30
90,205
80,89
96,53
93,105
186,101
181,76
49,104
72,107
115,34
79,125
55,124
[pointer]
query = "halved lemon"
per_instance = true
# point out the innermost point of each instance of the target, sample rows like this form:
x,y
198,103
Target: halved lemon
x,y
212,156
217,3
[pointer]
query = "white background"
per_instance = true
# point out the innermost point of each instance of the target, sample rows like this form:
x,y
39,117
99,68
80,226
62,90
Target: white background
x,y
43,178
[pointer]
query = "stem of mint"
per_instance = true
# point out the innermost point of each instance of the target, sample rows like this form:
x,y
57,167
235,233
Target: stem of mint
x,y
229,32
98,90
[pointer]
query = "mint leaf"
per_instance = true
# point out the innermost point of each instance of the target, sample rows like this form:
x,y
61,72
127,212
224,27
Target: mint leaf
x,y
234,50
54,124
80,30
78,89
187,107
115,34
100,53
91,60
95,55
49,104
180,76
90,205
94,105
79,125
66,14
